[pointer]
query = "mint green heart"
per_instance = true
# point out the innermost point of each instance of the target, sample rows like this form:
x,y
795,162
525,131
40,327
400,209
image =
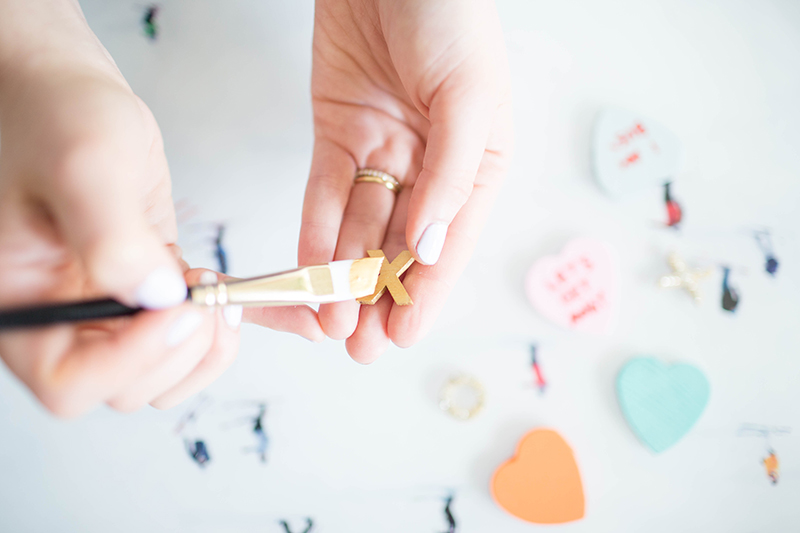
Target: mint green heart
x,y
661,403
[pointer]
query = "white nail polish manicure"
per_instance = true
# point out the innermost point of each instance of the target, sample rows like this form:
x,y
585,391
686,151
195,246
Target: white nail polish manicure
x,y
208,278
183,328
431,243
162,288
233,315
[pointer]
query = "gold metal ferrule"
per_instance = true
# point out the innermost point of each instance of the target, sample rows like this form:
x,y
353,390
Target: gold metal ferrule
x,y
332,282
303,285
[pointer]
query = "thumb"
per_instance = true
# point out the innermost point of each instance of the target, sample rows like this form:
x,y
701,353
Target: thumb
x,y
100,211
461,117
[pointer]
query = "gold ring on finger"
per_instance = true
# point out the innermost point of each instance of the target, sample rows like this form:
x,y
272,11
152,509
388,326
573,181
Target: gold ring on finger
x,y
370,175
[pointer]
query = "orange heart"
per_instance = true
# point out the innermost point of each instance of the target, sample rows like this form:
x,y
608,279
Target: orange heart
x,y
541,483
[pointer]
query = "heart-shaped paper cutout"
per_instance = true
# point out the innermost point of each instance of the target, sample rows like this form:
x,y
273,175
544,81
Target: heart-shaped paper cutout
x,y
661,403
541,483
577,289
631,152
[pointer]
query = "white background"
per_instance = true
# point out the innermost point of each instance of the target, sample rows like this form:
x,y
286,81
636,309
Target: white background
x,y
365,449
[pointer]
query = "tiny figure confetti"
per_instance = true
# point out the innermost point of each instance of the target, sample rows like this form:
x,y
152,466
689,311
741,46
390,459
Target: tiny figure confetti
x,y
198,451
219,250
448,514
730,297
540,382
257,424
771,464
260,434
287,529
149,22
764,241
674,211
195,446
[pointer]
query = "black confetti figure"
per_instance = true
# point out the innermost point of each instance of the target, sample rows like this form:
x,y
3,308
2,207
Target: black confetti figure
x,y
219,250
451,521
261,435
196,447
309,526
764,240
149,22
198,451
262,440
730,298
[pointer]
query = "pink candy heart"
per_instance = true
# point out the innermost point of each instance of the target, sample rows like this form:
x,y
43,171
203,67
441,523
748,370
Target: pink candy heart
x,y
577,289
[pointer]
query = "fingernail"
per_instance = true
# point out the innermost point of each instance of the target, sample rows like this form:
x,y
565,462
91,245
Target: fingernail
x,y
183,328
431,243
208,278
233,315
162,288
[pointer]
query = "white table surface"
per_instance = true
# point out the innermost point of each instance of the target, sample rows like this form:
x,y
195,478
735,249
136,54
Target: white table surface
x,y
364,448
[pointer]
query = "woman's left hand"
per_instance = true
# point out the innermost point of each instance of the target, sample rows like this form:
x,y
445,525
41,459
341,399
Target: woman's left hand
x,y
420,90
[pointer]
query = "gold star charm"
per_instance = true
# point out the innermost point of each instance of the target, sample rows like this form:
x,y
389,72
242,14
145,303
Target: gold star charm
x,y
683,277
389,278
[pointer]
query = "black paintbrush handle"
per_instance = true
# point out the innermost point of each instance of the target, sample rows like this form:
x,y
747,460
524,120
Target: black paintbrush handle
x,y
42,315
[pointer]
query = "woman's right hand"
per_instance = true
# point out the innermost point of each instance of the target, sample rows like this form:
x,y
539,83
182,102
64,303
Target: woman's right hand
x,y
86,212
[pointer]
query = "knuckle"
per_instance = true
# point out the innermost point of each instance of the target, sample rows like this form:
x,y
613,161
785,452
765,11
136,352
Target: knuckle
x,y
74,162
366,222
454,185
460,191
329,183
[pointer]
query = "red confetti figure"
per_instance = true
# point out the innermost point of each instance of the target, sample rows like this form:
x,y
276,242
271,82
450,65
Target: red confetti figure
x,y
674,212
540,382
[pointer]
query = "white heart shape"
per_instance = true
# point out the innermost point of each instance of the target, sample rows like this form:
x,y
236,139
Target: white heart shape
x,y
578,288
631,152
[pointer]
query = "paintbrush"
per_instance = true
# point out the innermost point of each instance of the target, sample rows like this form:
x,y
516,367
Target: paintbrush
x,y
333,282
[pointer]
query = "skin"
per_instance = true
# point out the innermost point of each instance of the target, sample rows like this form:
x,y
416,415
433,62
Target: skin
x,y
417,89
420,90
85,211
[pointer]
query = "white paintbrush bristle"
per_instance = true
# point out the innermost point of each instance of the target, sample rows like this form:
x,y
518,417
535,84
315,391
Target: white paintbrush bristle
x,y
354,278
340,275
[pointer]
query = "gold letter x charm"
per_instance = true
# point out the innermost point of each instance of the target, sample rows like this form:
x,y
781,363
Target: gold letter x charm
x,y
389,278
